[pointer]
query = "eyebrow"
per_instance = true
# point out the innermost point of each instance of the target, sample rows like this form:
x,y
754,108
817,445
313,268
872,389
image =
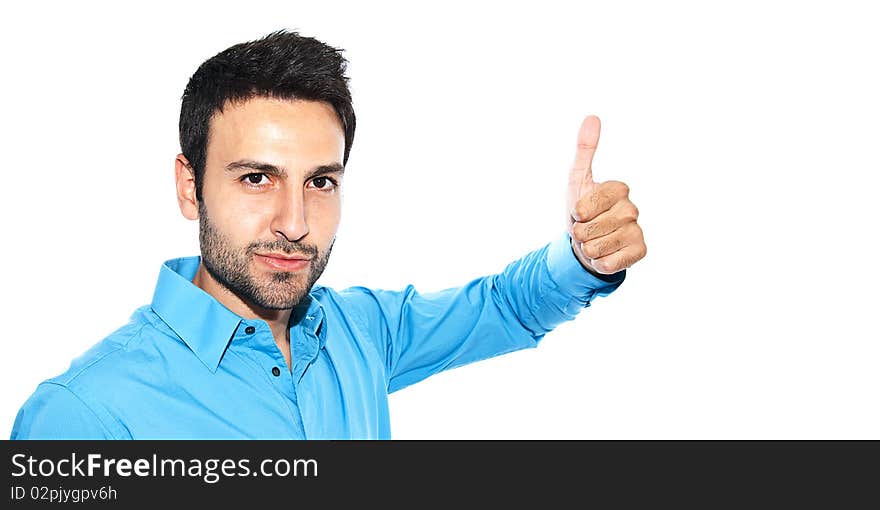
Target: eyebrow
x,y
268,168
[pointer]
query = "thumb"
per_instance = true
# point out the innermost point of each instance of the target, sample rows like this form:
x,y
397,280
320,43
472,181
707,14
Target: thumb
x,y
587,141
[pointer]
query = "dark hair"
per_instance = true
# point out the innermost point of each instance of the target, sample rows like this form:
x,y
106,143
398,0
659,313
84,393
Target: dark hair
x,y
282,65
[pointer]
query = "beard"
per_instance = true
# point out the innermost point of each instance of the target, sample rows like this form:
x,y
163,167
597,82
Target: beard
x,y
232,267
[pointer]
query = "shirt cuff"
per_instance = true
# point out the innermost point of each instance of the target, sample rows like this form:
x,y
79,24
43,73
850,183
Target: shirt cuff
x,y
571,277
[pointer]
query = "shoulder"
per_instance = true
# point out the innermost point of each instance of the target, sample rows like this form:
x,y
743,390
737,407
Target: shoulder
x,y
53,411
72,404
134,345
112,348
359,303
368,300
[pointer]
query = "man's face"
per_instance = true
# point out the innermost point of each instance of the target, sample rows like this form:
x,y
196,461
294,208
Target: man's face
x,y
270,194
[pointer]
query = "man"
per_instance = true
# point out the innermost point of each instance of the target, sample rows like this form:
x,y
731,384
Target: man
x,y
241,343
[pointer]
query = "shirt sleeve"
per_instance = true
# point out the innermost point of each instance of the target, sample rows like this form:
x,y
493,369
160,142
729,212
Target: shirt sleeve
x,y
55,412
419,334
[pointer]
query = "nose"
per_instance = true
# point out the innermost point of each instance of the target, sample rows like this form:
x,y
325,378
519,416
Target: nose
x,y
289,221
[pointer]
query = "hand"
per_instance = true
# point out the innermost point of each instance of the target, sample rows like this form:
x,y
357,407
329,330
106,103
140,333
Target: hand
x,y
602,221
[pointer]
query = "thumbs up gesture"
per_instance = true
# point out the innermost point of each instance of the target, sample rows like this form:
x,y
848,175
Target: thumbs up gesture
x,y
602,221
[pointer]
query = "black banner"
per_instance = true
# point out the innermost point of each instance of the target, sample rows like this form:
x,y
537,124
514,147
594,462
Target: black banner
x,y
430,473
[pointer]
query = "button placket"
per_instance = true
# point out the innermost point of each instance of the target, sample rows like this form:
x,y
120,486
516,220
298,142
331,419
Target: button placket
x,y
274,365
257,346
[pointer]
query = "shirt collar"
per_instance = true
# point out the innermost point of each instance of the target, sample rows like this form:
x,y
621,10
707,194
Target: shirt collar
x,y
203,323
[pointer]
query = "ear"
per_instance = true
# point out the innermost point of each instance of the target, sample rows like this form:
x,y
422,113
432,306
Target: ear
x,y
185,180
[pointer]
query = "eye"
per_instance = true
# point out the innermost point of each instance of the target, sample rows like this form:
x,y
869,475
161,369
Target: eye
x,y
256,179
324,183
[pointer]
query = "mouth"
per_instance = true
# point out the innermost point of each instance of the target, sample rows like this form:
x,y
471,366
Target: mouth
x,y
283,261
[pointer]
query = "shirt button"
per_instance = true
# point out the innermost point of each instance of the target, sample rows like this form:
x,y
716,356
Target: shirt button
x,y
250,330
276,371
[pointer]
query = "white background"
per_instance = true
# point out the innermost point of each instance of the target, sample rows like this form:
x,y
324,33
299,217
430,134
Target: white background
x,y
748,134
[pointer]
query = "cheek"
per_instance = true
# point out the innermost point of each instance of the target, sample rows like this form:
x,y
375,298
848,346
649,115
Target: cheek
x,y
322,215
242,221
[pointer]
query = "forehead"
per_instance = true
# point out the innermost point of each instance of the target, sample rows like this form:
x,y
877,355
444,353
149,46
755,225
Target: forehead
x,y
289,132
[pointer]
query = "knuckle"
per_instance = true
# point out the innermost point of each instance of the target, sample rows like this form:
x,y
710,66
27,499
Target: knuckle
x,y
586,146
589,229
627,215
634,212
582,208
639,255
602,265
618,188
600,248
590,250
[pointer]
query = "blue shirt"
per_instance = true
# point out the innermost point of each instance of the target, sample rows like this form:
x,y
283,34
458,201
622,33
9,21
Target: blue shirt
x,y
186,367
